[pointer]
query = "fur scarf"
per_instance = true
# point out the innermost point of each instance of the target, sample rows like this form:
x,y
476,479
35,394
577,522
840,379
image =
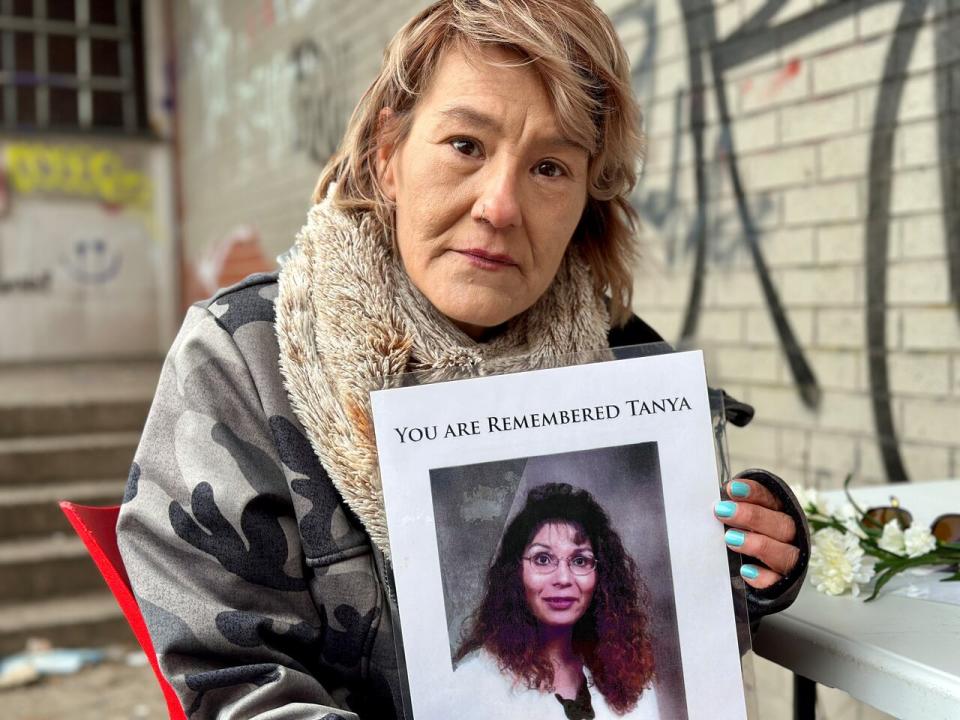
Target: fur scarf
x,y
349,321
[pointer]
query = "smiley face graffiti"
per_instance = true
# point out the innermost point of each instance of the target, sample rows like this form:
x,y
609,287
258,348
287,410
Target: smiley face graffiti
x,y
91,261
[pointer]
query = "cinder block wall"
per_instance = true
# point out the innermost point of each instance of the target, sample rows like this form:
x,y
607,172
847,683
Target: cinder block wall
x,y
828,203
801,173
265,91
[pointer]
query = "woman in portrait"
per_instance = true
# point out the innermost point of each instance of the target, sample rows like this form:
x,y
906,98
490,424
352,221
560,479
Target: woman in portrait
x,y
477,210
562,617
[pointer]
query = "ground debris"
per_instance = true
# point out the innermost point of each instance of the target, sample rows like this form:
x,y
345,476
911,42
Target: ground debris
x,y
119,687
27,667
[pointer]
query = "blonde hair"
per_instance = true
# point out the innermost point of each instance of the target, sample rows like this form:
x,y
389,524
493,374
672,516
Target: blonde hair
x,y
586,72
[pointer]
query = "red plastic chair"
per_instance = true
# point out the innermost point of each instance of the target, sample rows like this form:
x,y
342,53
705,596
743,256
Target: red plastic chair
x,y
97,527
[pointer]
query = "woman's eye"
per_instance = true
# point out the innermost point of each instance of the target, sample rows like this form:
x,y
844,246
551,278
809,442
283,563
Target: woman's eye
x,y
466,147
550,169
542,559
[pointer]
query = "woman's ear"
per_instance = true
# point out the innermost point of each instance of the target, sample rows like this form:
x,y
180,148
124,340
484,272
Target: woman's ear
x,y
386,172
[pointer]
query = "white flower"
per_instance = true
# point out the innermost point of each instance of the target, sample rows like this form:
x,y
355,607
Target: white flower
x,y
837,563
850,519
892,538
809,499
918,541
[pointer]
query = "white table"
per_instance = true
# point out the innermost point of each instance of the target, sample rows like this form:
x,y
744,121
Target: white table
x,y
898,654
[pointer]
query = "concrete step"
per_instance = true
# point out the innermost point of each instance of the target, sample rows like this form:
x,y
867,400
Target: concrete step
x,y
93,416
73,382
88,620
45,568
33,511
58,458
76,397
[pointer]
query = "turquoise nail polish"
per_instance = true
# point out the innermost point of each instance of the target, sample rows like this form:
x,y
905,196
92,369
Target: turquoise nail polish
x,y
734,537
750,572
725,508
739,489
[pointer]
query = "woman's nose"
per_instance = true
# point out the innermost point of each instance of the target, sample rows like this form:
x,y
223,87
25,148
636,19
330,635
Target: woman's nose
x,y
562,575
499,202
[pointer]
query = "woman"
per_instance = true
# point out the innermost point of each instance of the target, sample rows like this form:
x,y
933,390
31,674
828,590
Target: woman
x,y
476,210
561,614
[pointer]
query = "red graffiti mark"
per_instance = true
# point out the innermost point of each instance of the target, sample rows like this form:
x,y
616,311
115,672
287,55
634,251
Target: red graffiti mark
x,y
4,194
785,77
259,19
268,14
746,86
229,260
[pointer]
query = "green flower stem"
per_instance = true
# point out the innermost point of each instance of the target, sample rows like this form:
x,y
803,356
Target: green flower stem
x,y
878,552
846,491
893,569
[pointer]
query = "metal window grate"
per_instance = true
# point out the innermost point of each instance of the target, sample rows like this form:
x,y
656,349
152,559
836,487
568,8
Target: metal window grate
x,y
71,65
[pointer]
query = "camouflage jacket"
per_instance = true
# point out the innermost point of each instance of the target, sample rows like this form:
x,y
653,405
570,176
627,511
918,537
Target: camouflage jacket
x,y
263,594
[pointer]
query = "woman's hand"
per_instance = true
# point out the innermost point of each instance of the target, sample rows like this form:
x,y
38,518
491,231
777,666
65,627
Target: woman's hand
x,y
758,528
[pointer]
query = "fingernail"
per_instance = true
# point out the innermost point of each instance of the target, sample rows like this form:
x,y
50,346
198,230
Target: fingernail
x,y
750,572
725,508
734,537
739,489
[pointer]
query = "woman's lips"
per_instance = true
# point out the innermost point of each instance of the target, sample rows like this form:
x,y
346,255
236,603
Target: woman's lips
x,y
487,260
560,603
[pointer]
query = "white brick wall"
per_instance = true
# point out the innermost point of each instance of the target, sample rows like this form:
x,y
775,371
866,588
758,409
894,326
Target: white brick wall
x,y
773,88
931,420
786,247
855,66
760,330
921,236
919,282
916,191
819,119
819,286
836,35
240,165
932,329
803,118
878,19
822,203
725,326
756,132
840,244
780,168
839,369
918,103
845,157
803,127
920,373
916,145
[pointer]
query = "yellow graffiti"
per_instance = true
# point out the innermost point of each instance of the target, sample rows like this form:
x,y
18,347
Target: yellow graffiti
x,y
77,171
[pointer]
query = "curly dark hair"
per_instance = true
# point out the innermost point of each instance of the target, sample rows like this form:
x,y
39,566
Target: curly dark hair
x,y
611,637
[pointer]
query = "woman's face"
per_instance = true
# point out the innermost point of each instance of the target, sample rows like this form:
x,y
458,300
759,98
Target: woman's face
x,y
560,597
488,192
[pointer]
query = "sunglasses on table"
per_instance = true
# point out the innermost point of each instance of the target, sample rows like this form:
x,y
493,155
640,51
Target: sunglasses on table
x,y
945,528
